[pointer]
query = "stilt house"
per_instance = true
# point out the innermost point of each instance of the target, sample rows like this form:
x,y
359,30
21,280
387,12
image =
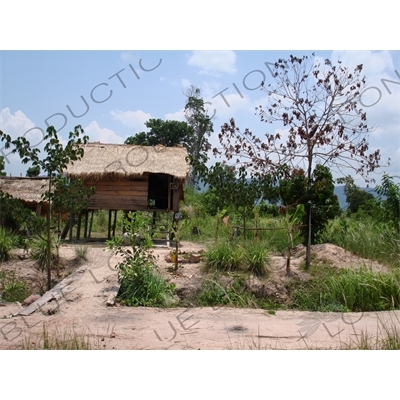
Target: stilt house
x,y
132,178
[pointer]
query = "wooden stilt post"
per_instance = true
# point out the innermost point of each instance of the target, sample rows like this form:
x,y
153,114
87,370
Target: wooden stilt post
x,y
86,224
78,229
109,224
71,220
123,225
91,223
115,222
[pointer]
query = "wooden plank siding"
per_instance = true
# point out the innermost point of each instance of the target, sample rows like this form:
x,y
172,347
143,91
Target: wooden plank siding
x,y
128,194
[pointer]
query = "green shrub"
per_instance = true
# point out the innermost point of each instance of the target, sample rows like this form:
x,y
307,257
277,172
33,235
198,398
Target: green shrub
x,y
39,251
143,285
141,282
7,242
12,289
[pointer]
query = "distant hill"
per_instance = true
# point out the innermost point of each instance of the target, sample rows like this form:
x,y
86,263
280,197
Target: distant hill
x,y
339,191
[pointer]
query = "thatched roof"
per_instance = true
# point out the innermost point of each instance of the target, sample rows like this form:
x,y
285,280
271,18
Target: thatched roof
x,y
29,190
117,161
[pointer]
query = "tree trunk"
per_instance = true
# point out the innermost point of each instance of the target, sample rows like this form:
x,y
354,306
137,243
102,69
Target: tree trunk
x,y
308,256
309,176
48,241
288,254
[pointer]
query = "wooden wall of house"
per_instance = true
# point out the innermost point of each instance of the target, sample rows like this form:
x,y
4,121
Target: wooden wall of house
x,y
130,194
127,194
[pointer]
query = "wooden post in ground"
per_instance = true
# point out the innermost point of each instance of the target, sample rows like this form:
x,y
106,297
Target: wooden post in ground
x,y
115,222
78,229
109,224
86,224
91,223
71,220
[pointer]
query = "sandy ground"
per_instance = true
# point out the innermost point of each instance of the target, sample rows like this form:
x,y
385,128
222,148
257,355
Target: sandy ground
x,y
79,305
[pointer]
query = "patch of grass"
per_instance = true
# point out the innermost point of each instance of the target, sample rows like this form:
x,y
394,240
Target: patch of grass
x,y
214,293
256,258
249,255
387,337
224,256
67,339
12,289
81,253
366,238
350,290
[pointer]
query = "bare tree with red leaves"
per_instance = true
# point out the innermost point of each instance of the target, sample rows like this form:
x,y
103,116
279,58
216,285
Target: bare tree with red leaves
x,y
318,107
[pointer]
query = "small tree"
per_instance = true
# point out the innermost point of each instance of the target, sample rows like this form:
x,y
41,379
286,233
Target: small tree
x,y
292,218
57,157
198,145
318,108
355,197
392,203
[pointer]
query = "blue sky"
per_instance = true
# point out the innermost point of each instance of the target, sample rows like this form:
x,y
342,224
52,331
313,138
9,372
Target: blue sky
x,y
124,88
113,93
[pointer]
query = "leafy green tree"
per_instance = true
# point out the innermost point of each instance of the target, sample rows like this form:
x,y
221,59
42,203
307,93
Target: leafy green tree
x,y
238,190
166,133
356,198
212,202
33,171
320,194
198,145
391,205
55,161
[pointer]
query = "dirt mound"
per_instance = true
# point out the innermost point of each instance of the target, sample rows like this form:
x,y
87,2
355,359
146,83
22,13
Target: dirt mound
x,y
335,256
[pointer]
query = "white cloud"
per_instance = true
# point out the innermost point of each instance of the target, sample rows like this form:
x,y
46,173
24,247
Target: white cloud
x,y
103,135
213,62
374,62
129,56
176,116
17,125
132,119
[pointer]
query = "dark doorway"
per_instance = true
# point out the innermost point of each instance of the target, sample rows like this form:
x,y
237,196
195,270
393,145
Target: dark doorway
x,y
158,191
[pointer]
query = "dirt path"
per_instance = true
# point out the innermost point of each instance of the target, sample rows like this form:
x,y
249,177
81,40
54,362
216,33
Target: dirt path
x,y
81,306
